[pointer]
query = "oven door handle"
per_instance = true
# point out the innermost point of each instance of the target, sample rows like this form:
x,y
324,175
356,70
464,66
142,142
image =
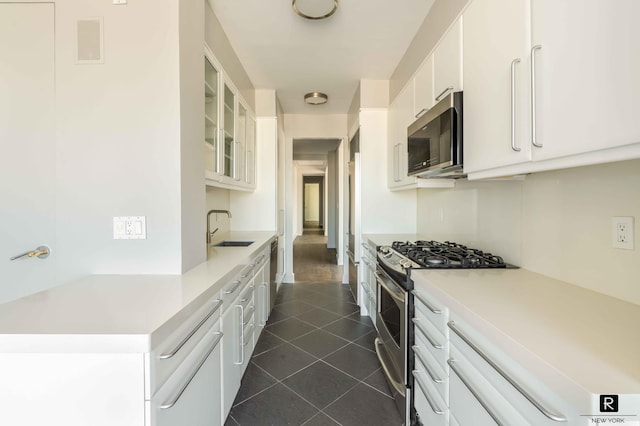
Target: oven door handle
x,y
392,292
399,387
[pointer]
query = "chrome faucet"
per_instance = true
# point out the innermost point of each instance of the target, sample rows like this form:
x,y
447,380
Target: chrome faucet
x,y
209,233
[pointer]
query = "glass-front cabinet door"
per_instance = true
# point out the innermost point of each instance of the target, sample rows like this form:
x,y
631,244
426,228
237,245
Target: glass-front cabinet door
x,y
211,128
229,132
251,151
241,143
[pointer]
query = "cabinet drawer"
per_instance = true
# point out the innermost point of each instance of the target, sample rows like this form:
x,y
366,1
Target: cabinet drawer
x,y
426,364
430,407
173,351
197,379
522,390
474,401
430,308
427,337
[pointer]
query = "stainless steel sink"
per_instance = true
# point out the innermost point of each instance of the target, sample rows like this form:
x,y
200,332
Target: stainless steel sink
x,y
228,243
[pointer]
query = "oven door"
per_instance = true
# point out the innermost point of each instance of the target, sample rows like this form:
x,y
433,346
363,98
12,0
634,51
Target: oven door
x,y
391,345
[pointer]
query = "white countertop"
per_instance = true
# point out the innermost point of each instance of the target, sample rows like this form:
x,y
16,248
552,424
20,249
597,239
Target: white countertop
x,y
120,313
568,335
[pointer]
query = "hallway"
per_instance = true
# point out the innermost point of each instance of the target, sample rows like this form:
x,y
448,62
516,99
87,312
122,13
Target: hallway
x,y
315,362
312,260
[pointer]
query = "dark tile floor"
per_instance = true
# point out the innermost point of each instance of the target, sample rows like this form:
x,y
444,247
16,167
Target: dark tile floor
x,y
315,364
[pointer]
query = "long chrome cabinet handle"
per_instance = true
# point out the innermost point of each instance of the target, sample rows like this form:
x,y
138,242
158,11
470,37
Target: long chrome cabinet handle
x,y
220,153
426,303
398,163
399,387
533,96
426,393
172,401
240,335
448,89
513,104
548,412
391,292
179,346
423,110
431,340
476,394
236,160
265,308
434,378
235,287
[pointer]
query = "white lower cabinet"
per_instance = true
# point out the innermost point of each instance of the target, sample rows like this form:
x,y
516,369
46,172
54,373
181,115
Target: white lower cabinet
x,y
462,378
232,327
505,390
192,395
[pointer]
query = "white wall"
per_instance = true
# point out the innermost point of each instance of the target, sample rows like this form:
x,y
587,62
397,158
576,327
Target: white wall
x,y
555,223
256,210
484,215
383,211
118,138
218,199
301,126
191,15
219,44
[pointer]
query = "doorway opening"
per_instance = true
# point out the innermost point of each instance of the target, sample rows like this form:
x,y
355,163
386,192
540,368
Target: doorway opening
x,y
313,205
316,198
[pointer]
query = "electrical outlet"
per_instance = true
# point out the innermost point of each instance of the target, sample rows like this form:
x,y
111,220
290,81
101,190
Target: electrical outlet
x,y
130,228
622,232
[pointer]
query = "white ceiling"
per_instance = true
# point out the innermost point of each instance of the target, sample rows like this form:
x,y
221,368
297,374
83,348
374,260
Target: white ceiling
x,y
364,39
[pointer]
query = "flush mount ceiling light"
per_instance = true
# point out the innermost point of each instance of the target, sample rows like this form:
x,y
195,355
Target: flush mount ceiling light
x,y
315,98
315,9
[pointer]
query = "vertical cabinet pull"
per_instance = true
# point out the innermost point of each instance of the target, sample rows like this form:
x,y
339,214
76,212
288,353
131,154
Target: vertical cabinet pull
x,y
513,105
240,335
265,312
533,96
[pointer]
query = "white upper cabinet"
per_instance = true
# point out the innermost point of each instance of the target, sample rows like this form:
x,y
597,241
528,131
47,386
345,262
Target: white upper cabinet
x,y
496,84
230,131
587,75
400,116
211,132
447,63
569,99
423,88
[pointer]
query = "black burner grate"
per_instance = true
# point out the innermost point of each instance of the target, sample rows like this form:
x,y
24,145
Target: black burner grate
x,y
433,254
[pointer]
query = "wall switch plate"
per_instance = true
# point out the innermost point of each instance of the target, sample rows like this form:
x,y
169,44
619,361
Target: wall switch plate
x,y
622,232
130,228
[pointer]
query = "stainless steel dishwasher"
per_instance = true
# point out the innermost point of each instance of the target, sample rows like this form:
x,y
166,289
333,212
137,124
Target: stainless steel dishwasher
x,y
273,269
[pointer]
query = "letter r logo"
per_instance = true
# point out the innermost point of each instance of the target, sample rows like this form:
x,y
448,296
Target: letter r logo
x,y
608,403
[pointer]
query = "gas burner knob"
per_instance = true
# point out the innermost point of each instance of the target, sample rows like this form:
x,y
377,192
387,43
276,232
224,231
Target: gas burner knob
x,y
406,263
384,249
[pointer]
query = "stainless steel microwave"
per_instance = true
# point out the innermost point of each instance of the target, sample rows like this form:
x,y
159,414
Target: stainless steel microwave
x,y
434,145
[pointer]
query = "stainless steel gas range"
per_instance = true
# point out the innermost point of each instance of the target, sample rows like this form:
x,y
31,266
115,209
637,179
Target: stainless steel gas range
x,y
395,304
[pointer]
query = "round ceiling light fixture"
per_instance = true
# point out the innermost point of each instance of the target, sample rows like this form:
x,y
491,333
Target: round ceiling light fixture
x,y
315,9
316,98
